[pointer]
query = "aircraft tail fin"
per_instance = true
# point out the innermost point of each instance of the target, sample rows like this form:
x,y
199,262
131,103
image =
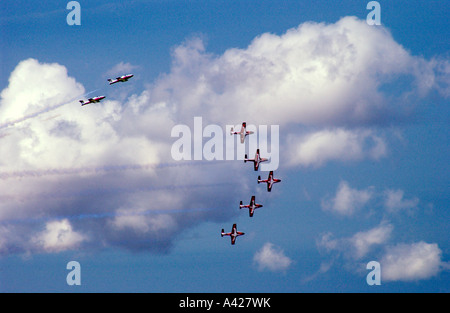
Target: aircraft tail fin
x,y
223,231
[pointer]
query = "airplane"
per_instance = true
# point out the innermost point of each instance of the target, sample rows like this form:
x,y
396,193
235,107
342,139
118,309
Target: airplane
x,y
243,132
251,207
256,160
233,234
270,181
92,100
122,79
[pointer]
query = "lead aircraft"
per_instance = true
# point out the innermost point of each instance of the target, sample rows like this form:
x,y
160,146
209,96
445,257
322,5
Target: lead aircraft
x,y
257,160
92,100
270,181
244,132
121,79
251,207
233,234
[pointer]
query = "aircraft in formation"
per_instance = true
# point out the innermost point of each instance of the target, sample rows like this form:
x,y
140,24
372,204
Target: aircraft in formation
x,y
269,181
257,160
233,234
252,206
123,78
92,100
243,133
120,79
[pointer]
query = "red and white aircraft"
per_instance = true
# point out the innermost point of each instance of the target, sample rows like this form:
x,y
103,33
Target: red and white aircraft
x,y
270,181
251,207
244,132
122,79
233,234
92,100
257,160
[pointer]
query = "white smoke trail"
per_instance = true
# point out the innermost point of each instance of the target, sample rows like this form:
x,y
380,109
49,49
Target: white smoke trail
x,y
99,169
103,215
102,192
45,110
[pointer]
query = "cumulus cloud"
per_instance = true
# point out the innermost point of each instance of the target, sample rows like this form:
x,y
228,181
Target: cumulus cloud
x,y
347,200
34,86
107,162
271,258
363,241
58,236
358,245
340,144
314,74
410,262
395,201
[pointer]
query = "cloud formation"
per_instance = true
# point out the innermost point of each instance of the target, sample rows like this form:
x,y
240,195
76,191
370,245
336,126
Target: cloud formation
x,y
272,258
58,236
347,200
360,244
339,144
410,262
315,74
395,201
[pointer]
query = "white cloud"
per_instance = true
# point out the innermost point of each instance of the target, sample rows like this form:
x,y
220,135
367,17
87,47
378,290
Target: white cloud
x,y
122,68
347,200
315,74
271,258
410,262
143,224
101,161
358,245
363,241
338,144
58,236
395,202
34,86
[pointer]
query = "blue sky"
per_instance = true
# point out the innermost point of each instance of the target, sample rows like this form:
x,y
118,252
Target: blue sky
x,y
363,115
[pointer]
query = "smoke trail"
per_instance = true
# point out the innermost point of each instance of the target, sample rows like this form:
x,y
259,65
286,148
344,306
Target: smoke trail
x,y
45,110
100,169
103,215
99,192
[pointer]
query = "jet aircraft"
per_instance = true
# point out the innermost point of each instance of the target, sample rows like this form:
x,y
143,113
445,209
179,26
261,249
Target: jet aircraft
x,y
257,160
244,132
233,234
121,79
251,207
270,181
92,100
